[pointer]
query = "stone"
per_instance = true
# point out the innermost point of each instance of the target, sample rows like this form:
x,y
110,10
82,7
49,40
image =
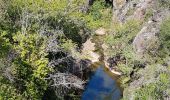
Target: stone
x,y
88,51
100,31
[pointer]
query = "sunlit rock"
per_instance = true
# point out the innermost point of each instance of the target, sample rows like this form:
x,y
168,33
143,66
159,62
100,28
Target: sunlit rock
x,y
88,51
100,31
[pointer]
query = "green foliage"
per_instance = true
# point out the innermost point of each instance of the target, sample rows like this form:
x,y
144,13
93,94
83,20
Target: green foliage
x,y
125,69
21,26
31,67
4,44
152,84
21,31
123,33
37,5
149,92
68,45
120,43
164,38
128,29
8,91
98,16
95,10
154,91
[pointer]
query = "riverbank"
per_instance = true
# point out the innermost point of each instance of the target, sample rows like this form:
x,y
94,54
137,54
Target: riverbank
x,y
93,50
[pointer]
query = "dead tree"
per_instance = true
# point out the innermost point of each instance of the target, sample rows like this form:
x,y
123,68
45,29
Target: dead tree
x,y
66,80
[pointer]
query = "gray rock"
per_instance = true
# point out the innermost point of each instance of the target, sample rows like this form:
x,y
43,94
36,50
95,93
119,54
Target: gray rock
x,y
148,35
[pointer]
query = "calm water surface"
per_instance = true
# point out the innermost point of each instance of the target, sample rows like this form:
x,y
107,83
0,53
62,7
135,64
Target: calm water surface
x,y
101,87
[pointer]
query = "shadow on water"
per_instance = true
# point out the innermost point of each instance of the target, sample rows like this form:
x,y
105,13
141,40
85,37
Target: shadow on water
x,y
102,86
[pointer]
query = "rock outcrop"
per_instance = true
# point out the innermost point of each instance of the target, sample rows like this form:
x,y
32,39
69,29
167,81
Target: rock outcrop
x,y
147,38
137,8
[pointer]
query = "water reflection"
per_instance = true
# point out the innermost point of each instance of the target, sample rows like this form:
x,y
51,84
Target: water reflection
x,y
101,87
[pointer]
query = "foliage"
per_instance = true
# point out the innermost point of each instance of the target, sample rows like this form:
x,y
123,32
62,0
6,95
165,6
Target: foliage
x,y
164,38
31,68
152,84
26,30
99,16
4,44
154,91
123,34
8,91
120,43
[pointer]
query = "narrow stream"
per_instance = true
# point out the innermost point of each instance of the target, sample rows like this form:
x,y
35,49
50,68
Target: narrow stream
x,y
102,86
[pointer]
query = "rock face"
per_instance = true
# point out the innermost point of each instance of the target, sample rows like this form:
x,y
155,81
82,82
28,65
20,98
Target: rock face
x,y
146,39
137,8
141,9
